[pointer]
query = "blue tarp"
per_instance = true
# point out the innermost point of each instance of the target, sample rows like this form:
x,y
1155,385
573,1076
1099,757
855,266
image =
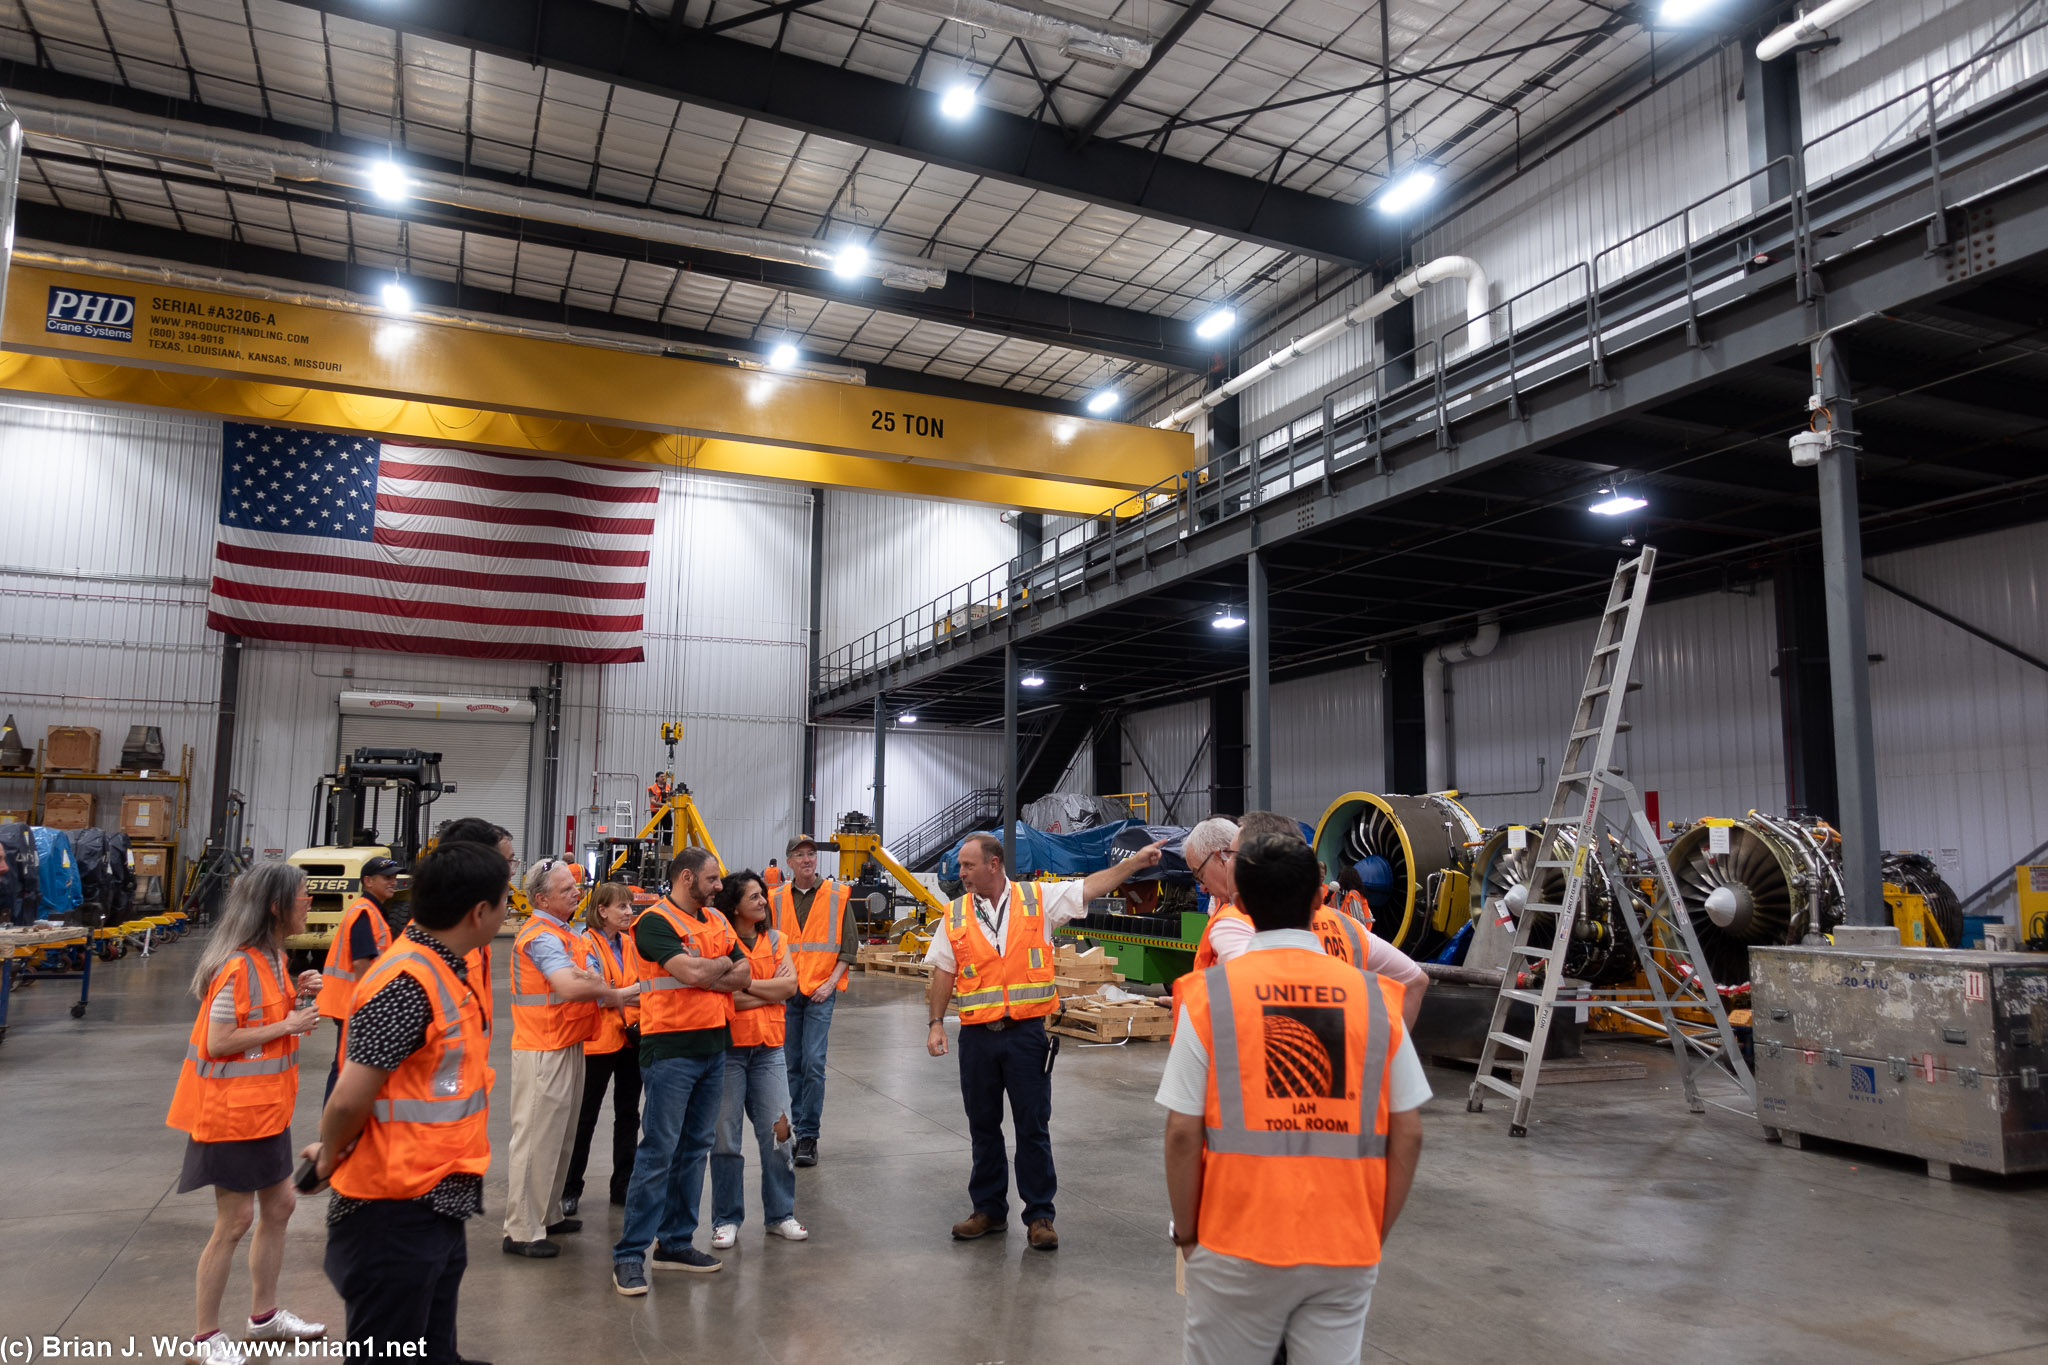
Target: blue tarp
x,y
59,872
1061,855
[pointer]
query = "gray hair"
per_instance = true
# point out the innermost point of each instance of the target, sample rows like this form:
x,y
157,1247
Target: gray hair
x,y
1212,836
537,875
253,918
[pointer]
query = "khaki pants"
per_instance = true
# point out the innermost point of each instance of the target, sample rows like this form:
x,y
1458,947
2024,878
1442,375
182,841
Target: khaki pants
x,y
547,1093
1240,1311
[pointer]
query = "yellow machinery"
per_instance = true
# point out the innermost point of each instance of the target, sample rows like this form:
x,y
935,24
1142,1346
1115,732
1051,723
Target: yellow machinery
x,y
862,858
374,805
672,814
1426,841
2033,906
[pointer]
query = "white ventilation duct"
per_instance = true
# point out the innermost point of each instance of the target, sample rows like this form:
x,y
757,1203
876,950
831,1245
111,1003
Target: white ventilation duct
x,y
273,290
251,159
1478,331
1074,35
1809,26
1436,753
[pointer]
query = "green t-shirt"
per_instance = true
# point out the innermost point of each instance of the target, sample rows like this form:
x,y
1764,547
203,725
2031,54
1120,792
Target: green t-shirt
x,y
658,942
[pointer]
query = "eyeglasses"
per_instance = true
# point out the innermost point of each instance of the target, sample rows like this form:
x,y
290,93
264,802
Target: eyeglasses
x,y
1228,855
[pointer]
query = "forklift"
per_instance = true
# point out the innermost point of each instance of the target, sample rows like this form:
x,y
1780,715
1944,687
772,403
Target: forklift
x,y
374,806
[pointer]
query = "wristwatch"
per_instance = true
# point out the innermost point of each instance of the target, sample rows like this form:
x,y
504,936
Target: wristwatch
x,y
936,1023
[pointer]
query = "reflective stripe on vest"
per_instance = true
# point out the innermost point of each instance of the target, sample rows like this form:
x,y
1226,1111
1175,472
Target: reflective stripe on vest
x,y
815,959
206,1066
429,1111
1013,994
1349,928
1234,1137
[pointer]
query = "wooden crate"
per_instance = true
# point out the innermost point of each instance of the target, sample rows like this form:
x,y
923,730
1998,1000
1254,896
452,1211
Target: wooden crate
x,y
67,810
71,748
150,860
13,817
1095,1021
146,817
1093,965
1070,985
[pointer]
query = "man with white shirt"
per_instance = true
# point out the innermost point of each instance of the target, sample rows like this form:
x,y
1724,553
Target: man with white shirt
x,y
1292,1135
997,943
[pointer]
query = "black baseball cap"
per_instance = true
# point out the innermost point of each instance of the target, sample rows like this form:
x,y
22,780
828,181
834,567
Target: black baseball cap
x,y
382,867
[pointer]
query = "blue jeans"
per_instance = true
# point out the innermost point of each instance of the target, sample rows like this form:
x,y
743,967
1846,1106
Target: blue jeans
x,y
808,1026
682,1097
757,1089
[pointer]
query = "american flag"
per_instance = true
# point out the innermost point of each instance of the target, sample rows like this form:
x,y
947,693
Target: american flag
x,y
346,540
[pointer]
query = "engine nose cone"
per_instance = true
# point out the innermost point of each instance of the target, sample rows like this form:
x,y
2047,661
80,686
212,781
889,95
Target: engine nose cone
x,y
1731,908
1516,898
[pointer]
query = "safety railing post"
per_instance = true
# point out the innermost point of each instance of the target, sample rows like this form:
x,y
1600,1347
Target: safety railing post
x,y
1329,440
1937,231
1443,415
1692,305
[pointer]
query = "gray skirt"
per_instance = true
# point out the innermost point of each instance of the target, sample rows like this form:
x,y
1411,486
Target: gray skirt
x,y
243,1167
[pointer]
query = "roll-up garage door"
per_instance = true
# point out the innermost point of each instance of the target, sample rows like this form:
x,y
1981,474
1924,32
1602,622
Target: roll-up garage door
x,y
486,762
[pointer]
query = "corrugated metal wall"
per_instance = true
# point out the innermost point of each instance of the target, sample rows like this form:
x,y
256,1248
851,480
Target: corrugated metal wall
x,y
1961,726
1166,752
885,556
103,585
1706,737
927,771
1328,739
1886,50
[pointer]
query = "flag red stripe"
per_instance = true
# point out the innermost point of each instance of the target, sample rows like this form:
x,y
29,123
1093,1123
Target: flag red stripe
x,y
510,549
550,517
387,571
514,483
463,613
409,644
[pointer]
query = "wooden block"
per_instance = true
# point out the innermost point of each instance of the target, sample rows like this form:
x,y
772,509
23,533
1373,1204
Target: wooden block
x,y
1098,1021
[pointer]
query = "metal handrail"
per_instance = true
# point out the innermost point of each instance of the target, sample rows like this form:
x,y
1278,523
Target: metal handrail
x,y
1163,516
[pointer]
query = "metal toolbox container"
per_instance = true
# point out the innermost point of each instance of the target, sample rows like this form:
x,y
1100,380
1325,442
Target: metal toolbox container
x,y
1931,1052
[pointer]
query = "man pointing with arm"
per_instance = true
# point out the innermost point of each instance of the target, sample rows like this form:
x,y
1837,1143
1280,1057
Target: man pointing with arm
x,y
996,943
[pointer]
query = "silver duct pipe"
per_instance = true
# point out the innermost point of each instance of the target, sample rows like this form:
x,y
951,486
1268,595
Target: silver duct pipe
x,y
1073,35
272,290
1478,330
251,159
10,184
1811,25
1436,749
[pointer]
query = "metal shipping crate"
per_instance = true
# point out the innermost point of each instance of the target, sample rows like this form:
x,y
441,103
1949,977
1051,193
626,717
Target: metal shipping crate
x,y
1931,1052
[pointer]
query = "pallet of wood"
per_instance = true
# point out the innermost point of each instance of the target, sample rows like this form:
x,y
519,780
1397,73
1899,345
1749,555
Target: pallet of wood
x,y
902,964
868,954
1093,965
1098,1021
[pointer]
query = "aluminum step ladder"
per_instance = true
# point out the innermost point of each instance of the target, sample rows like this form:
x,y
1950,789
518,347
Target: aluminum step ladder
x,y
1588,791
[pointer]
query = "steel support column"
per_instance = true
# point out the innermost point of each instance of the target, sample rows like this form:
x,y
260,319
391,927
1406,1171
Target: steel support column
x,y
881,755
808,797
224,737
1010,759
1259,721
1841,538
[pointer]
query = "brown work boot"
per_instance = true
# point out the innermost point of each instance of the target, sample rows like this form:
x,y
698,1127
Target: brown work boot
x,y
1043,1238
980,1225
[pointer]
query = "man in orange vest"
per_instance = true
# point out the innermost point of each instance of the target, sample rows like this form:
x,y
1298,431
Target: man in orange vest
x,y
556,997
688,962
1291,1134
812,915
404,1138
996,942
364,932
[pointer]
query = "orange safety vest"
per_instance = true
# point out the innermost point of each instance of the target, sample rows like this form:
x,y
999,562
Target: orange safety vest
x,y
337,977
814,942
611,1024
771,876
431,1119
1342,937
761,1026
1358,907
1014,984
1294,1167
478,960
1205,952
666,1004
236,1099
543,1021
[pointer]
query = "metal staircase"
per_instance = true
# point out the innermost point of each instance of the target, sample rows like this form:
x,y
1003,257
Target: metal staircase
x,y
925,845
1680,986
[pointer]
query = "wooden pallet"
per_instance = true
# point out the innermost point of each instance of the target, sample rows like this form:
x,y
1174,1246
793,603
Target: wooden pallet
x,y
1100,1022
1091,966
902,964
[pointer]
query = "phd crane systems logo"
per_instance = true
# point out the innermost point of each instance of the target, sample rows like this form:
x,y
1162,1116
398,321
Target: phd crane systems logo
x,y
84,313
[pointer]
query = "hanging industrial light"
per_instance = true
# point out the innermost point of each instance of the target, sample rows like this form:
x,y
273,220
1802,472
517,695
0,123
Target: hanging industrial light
x,y
1408,190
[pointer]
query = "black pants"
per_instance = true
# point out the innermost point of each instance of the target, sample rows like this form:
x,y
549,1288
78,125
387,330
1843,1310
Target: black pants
x,y
622,1070
1011,1062
334,1072
398,1267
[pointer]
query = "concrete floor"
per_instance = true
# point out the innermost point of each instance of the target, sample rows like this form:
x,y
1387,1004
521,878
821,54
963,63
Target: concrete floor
x,y
1622,1230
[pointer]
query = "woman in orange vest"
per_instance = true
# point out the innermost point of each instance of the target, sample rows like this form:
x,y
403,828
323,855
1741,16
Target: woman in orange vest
x,y
756,1075
613,1056
236,1090
364,932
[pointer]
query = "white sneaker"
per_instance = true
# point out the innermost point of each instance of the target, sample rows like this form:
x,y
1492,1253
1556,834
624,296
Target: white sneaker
x,y
724,1235
285,1325
790,1229
217,1349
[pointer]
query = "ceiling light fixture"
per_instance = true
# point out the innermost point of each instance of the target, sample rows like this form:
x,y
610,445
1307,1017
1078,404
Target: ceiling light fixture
x,y
1226,619
1030,680
397,298
906,719
1408,189
1217,323
1678,11
851,262
958,102
389,182
783,356
1102,401
1616,504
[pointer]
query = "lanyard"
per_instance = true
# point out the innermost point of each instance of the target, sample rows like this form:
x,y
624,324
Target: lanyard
x,y
992,919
